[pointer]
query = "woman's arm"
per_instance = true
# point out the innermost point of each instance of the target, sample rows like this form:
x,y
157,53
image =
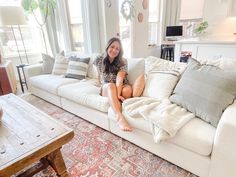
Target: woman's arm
x,y
119,83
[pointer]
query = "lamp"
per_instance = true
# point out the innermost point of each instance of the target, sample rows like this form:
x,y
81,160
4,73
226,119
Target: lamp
x,y
14,15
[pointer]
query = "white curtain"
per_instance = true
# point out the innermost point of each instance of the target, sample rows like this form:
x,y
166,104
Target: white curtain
x,y
57,28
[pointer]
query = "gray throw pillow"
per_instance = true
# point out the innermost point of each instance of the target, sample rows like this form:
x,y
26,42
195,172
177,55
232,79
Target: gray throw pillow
x,y
205,90
77,67
48,63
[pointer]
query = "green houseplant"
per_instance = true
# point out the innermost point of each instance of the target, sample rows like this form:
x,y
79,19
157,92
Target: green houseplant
x,y
46,7
201,27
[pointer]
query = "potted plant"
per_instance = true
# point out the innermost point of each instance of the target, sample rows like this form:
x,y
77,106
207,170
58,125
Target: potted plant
x,y
45,6
201,28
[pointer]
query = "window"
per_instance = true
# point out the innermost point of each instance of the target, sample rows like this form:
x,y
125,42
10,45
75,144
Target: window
x,y
125,32
76,24
154,22
15,40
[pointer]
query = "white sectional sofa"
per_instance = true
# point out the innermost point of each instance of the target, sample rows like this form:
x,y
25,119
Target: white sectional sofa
x,y
197,147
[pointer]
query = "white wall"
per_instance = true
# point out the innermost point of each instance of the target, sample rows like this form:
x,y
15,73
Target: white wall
x,y
221,25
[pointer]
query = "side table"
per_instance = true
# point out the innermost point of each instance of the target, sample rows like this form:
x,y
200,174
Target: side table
x,y
21,74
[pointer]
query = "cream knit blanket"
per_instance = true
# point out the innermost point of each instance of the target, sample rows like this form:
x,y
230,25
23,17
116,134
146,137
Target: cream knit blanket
x,y
165,118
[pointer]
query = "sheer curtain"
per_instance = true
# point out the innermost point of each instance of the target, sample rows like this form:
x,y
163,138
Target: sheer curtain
x,y
57,29
59,33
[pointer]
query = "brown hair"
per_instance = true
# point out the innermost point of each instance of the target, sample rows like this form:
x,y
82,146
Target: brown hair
x,y
117,63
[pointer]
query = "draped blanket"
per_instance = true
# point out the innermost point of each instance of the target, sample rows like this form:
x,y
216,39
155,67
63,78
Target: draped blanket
x,y
165,118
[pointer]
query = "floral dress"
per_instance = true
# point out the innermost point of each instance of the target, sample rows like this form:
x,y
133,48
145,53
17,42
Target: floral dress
x,y
111,76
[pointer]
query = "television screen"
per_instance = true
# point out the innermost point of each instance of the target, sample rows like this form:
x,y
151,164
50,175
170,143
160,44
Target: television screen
x,y
174,31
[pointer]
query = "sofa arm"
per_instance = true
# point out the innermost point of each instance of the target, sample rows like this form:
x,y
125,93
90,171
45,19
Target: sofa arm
x,y
33,70
223,158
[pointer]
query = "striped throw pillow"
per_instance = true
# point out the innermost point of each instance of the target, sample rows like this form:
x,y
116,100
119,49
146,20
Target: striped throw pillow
x,y
60,65
77,68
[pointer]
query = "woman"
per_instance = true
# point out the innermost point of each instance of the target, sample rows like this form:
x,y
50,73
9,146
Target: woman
x,y
112,70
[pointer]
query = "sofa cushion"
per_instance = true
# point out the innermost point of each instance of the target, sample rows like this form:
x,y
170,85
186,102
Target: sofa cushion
x,y
50,82
48,63
135,68
92,70
161,77
196,135
77,68
86,94
205,90
60,65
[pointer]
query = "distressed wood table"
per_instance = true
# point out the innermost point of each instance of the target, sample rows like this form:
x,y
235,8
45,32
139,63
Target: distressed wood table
x,y
29,136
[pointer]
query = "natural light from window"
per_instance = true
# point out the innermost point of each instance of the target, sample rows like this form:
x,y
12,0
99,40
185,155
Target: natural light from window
x,y
154,29
76,24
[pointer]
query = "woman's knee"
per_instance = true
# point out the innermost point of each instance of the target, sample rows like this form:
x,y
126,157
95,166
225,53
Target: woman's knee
x,y
127,91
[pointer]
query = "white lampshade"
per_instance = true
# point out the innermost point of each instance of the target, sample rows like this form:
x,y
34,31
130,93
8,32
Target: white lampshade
x,y
12,15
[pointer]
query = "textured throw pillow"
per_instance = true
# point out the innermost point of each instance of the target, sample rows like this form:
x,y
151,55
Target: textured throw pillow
x,y
160,84
48,63
77,68
138,86
60,65
205,90
161,77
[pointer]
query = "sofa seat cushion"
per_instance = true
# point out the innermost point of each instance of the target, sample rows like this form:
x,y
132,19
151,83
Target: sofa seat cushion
x,y
196,135
86,94
50,82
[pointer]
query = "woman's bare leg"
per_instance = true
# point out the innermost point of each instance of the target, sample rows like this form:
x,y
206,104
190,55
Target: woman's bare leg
x,y
110,91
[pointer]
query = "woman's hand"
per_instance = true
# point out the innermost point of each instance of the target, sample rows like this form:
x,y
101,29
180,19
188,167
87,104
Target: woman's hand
x,y
121,98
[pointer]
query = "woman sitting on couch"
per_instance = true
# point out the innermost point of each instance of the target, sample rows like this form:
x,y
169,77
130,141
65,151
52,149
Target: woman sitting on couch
x,y
112,69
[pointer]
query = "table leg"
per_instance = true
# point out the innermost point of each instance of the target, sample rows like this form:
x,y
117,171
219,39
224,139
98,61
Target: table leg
x,y
56,161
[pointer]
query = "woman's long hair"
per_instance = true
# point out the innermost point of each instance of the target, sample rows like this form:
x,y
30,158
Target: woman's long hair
x,y
117,63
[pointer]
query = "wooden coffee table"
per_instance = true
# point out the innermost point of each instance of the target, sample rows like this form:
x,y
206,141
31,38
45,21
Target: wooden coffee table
x,y
29,136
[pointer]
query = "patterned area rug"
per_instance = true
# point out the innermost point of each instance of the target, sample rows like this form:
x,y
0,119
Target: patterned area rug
x,y
95,152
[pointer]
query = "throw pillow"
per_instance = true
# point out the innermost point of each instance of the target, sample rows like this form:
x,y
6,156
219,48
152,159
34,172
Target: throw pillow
x,y
77,68
205,90
48,63
160,84
161,77
138,86
60,65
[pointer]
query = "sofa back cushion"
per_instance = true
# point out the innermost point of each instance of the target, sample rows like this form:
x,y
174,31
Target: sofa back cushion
x,y
92,71
161,77
77,68
205,90
60,65
48,63
136,67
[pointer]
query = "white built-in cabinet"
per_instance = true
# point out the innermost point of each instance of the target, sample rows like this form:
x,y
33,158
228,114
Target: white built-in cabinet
x,y
206,49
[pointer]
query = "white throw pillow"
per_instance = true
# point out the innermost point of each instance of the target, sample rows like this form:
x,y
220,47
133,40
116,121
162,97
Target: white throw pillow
x,y
60,65
48,63
161,77
160,85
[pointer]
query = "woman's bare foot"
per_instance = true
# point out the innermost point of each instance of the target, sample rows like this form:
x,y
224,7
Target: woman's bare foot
x,y
123,124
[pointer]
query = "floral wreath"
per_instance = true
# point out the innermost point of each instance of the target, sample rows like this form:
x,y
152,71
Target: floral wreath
x,y
123,10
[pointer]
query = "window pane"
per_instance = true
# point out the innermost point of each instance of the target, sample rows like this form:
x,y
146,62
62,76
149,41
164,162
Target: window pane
x,y
10,46
76,23
153,28
152,33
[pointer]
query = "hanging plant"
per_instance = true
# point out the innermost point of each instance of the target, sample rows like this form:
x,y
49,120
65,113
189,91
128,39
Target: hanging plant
x,y
127,9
